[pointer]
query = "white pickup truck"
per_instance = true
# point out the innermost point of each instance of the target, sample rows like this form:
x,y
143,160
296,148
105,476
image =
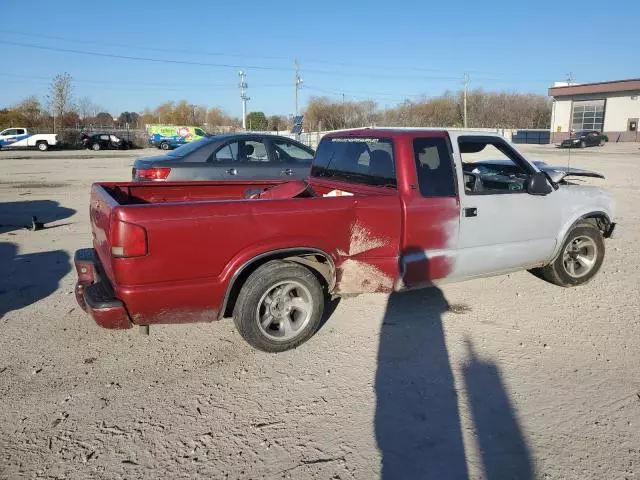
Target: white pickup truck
x,y
21,138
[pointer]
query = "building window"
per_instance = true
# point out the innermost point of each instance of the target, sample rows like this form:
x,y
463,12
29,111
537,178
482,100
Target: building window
x,y
588,115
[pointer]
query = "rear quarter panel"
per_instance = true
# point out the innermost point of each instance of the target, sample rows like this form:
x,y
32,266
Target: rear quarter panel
x,y
195,248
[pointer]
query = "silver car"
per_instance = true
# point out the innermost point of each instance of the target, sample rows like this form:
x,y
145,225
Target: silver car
x,y
243,156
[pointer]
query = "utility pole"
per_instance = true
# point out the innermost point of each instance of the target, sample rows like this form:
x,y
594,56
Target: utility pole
x,y
466,83
344,113
570,78
243,96
297,81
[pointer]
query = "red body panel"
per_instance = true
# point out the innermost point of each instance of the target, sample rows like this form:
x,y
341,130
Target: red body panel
x,y
200,234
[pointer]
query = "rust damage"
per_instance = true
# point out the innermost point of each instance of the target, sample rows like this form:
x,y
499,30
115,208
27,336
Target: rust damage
x,y
176,316
357,276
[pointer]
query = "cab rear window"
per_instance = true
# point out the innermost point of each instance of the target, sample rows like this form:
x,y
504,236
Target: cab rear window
x,y
368,161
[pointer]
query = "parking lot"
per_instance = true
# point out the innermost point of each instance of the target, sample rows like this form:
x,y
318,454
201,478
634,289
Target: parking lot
x,y
506,377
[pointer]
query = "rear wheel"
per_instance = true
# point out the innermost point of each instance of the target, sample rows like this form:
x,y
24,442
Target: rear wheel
x,y
279,307
95,147
579,259
42,146
164,146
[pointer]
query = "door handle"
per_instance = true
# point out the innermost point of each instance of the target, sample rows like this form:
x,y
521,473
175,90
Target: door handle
x,y
471,212
288,171
232,171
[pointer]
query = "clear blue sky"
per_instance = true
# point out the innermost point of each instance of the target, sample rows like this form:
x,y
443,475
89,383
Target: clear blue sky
x,y
384,50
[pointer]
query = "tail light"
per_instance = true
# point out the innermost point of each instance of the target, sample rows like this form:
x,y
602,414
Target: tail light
x,y
152,173
127,240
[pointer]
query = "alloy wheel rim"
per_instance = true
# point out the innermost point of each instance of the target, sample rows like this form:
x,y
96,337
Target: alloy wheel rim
x,y
284,310
579,256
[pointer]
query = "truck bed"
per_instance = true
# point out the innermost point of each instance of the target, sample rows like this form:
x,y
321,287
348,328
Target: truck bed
x,y
198,234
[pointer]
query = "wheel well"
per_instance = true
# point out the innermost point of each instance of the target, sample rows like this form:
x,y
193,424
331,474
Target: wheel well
x,y
600,220
41,141
317,262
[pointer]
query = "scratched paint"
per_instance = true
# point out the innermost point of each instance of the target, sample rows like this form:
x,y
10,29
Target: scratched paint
x,y
361,240
360,277
357,276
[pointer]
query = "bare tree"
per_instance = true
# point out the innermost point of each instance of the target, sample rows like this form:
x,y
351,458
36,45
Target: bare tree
x,y
60,96
30,110
86,108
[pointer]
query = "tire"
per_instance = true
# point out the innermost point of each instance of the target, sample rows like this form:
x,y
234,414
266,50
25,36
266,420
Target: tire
x,y
583,144
602,142
95,147
279,307
42,146
164,146
559,272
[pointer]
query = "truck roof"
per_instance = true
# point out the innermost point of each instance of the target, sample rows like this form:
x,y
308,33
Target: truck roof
x,y
406,131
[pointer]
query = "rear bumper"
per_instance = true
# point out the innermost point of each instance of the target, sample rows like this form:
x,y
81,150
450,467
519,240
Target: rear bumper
x,y
95,294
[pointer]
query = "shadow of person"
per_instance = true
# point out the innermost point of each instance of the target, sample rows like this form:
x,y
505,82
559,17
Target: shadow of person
x,y
416,422
29,277
502,446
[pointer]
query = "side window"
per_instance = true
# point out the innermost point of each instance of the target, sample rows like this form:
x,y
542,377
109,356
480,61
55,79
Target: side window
x,y
287,152
363,160
104,137
436,176
253,151
227,153
199,132
10,132
20,131
490,166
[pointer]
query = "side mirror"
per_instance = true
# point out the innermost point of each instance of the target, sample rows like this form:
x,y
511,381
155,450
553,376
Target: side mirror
x,y
538,184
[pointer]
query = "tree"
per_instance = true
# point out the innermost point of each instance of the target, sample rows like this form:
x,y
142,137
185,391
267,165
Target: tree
x,y
278,122
257,121
104,119
60,96
130,118
86,109
31,112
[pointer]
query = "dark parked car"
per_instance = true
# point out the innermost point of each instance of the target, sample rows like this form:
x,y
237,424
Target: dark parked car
x,y
104,141
586,138
241,156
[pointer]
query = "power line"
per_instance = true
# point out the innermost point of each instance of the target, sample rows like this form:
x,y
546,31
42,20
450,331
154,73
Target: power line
x,y
224,54
142,59
173,85
216,65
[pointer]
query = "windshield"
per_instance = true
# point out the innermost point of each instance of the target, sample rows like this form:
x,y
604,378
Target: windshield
x,y
187,148
362,160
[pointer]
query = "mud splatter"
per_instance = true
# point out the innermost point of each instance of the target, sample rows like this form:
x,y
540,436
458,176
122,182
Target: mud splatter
x,y
360,277
361,240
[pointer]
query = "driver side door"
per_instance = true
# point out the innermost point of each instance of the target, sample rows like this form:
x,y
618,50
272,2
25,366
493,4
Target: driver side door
x,y
503,229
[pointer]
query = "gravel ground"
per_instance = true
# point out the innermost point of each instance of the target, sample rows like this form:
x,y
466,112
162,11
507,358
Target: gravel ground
x,y
506,377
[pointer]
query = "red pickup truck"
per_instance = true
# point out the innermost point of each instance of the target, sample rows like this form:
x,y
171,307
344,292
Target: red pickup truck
x,y
383,210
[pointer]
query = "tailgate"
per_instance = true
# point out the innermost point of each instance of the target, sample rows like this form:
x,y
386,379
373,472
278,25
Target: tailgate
x,y
100,211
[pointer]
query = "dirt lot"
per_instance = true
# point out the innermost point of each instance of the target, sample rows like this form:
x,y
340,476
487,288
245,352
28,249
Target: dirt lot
x,y
507,377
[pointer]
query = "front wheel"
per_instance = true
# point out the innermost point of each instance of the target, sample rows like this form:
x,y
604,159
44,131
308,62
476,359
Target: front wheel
x,y
279,307
164,146
95,147
579,259
583,144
